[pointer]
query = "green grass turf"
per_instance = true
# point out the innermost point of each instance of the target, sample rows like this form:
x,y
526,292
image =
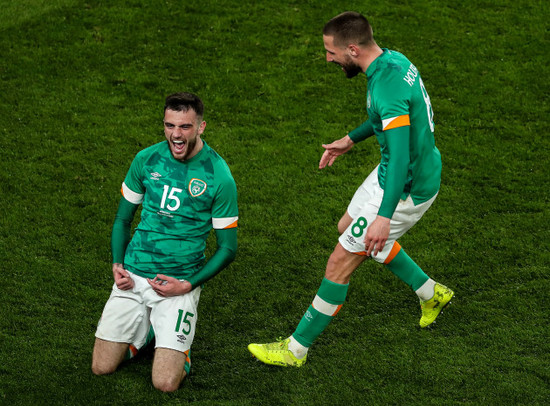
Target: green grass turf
x,y
82,86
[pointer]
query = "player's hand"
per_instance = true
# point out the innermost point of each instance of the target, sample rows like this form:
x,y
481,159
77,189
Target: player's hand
x,y
334,150
167,286
377,235
123,279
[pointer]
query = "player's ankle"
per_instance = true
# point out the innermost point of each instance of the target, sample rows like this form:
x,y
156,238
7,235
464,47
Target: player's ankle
x,y
297,349
426,291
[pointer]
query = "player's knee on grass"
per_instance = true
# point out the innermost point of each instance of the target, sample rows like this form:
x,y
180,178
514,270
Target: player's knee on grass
x,y
168,383
168,369
107,356
102,366
102,369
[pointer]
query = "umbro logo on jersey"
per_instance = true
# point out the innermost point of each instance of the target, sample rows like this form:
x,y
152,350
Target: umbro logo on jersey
x,y
155,175
197,187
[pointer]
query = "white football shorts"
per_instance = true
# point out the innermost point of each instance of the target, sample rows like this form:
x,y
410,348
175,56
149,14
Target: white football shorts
x,y
128,314
363,209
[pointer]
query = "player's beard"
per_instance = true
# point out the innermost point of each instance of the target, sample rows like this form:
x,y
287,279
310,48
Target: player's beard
x,y
190,145
351,69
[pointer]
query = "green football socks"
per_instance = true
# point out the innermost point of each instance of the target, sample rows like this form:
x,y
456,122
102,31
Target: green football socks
x,y
407,270
325,306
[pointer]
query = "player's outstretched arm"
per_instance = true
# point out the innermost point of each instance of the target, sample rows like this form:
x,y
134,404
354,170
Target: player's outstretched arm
x,y
334,150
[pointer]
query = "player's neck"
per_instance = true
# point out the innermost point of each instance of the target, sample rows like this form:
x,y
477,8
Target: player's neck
x,y
370,56
198,147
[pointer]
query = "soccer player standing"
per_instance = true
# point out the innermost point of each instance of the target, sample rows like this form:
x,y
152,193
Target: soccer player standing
x,y
185,189
391,199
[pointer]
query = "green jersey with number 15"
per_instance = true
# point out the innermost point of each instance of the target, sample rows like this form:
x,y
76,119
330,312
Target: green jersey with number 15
x,y
396,97
181,203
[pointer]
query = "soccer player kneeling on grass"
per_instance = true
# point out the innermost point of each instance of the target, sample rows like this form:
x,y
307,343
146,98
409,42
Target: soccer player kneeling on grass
x,y
185,189
392,198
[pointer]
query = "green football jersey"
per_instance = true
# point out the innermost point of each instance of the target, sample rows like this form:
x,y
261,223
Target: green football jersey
x,y
181,203
396,97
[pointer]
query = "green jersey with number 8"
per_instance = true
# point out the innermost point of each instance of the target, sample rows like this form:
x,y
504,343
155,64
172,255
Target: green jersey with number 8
x,y
396,97
181,203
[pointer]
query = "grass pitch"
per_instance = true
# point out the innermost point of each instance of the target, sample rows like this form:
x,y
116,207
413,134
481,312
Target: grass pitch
x,y
83,85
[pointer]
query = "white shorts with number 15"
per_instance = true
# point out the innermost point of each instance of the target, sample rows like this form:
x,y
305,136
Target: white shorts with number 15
x,y
128,314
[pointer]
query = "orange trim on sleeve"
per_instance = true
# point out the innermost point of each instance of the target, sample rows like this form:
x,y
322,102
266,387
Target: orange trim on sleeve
x,y
232,225
394,251
397,122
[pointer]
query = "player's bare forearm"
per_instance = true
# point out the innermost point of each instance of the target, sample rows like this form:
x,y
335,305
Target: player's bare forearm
x,y
334,150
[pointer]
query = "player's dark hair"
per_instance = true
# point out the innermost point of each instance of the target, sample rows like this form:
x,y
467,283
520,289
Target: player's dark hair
x,y
184,101
349,28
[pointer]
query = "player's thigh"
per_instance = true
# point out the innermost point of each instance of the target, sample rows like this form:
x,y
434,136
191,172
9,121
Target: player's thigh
x,y
174,320
368,191
125,316
406,215
344,222
363,210
168,369
107,356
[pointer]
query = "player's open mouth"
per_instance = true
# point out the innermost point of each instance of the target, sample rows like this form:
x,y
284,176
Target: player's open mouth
x,y
179,146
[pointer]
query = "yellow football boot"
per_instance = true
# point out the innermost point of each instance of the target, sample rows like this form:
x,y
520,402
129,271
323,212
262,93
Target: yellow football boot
x,y
431,308
276,353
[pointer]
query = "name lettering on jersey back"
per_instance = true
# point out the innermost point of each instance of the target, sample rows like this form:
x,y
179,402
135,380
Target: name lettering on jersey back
x,y
411,75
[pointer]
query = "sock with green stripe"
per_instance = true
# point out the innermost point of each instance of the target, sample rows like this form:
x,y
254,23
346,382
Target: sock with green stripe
x,y
325,306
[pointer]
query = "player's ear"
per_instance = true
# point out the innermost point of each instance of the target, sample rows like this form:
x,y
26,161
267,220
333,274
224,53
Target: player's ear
x,y
202,126
353,50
